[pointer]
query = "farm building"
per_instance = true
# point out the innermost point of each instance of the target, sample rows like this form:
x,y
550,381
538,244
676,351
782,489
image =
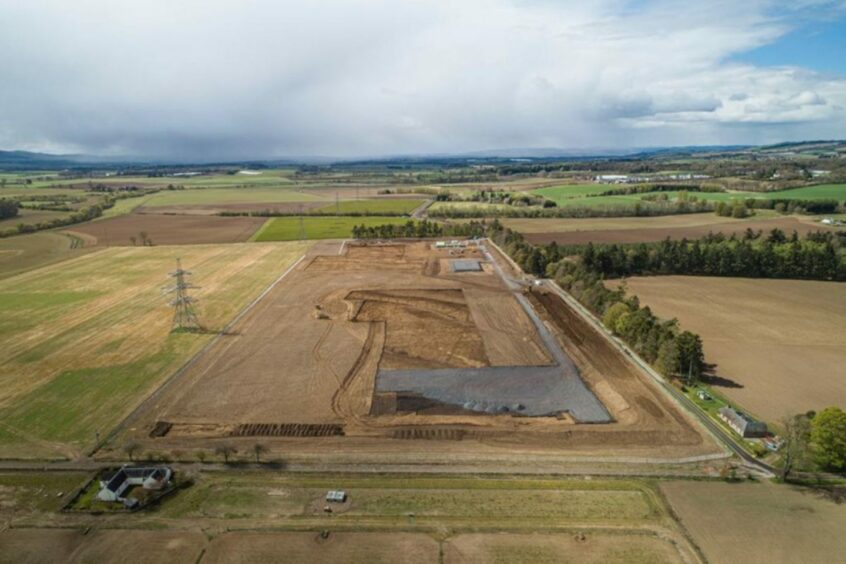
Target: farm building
x,y
149,478
742,424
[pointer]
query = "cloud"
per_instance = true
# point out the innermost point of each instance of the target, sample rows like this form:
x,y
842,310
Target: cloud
x,y
260,78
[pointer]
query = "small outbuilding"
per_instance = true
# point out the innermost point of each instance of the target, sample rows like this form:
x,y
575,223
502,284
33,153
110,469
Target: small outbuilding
x,y
336,496
742,424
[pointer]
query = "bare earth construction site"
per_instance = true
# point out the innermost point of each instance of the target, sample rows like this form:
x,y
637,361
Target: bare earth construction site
x,y
360,343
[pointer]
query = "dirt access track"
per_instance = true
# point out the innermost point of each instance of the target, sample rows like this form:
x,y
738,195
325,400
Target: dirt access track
x,y
301,367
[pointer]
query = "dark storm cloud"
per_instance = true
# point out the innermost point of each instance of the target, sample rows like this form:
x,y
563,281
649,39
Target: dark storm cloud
x,y
216,79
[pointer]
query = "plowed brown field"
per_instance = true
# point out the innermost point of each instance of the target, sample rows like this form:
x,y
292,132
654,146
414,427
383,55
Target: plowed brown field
x,y
779,345
650,229
169,229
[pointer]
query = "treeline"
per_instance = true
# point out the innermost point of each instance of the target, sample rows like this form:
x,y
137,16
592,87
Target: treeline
x,y
818,256
785,205
661,343
79,216
8,208
419,230
645,188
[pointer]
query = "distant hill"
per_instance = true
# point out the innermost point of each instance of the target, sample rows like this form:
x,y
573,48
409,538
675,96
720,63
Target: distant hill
x,y
26,160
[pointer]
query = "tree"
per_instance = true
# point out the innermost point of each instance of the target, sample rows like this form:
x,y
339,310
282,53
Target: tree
x,y
668,358
201,456
131,449
797,432
258,450
613,313
828,435
226,451
691,357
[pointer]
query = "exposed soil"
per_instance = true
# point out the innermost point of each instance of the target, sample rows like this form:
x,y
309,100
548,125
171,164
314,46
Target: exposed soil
x,y
309,354
214,209
311,547
779,346
169,229
540,548
646,234
759,522
441,315
77,545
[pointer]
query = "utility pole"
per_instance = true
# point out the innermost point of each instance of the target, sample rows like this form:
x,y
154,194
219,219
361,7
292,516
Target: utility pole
x,y
184,317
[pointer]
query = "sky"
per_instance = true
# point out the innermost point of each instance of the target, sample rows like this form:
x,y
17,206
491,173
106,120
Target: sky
x,y
254,79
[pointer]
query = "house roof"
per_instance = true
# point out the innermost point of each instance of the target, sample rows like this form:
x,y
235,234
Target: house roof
x,y
116,481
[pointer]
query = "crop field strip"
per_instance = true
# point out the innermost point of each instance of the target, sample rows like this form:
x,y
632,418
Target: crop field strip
x,y
327,227
89,337
125,230
373,207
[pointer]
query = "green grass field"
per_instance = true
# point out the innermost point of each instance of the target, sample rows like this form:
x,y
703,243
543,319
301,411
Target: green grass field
x,y
388,500
821,192
83,341
373,207
560,193
327,227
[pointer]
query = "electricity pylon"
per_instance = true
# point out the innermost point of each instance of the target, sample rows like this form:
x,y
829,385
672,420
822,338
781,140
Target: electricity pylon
x,y
184,317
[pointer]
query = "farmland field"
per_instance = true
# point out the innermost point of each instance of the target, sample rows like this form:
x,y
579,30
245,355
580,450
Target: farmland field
x,y
589,224
821,191
751,522
777,344
373,207
650,229
84,340
586,195
168,229
328,227
251,195
482,208
560,193
31,217
255,516
24,252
